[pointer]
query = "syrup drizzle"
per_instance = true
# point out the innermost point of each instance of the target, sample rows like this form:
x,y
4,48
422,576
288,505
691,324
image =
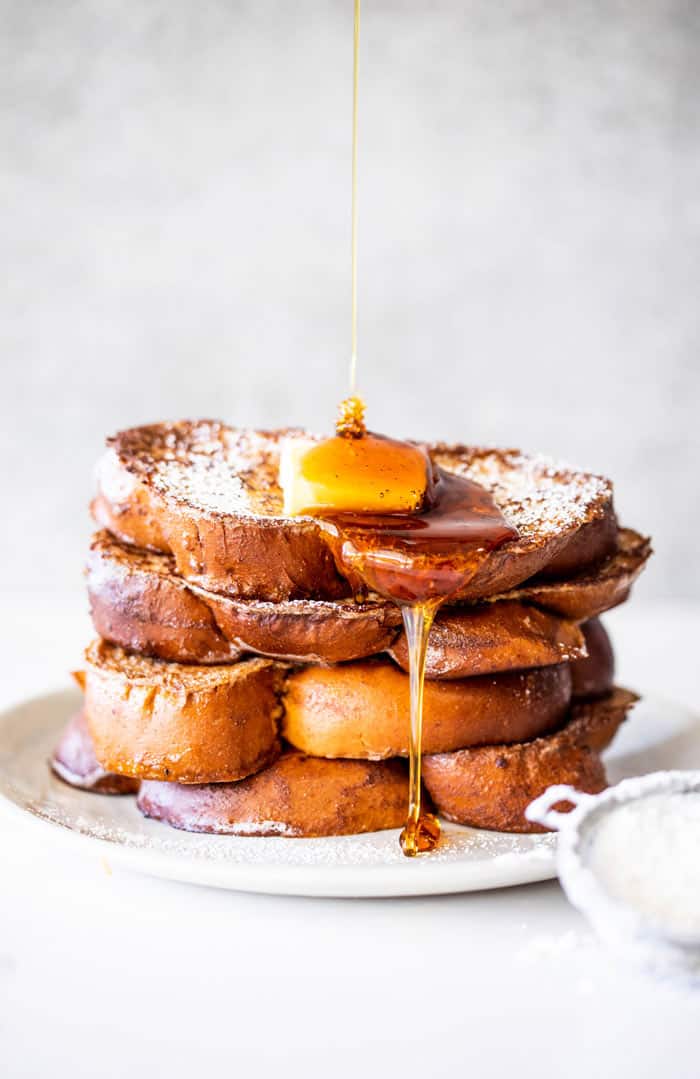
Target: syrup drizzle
x,y
420,561
421,833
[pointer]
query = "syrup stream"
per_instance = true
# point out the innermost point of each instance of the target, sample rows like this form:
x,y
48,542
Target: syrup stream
x,y
355,74
474,525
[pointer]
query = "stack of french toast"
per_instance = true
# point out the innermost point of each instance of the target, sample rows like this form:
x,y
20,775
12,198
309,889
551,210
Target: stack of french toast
x,y
242,684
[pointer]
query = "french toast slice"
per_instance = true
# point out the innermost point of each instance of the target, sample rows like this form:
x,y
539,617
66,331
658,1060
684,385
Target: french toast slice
x,y
74,761
594,590
491,786
209,495
296,796
484,787
151,719
137,600
154,720
361,710
494,637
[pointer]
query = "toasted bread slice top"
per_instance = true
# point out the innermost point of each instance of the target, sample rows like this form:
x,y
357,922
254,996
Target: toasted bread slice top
x,y
235,471
105,660
210,495
203,463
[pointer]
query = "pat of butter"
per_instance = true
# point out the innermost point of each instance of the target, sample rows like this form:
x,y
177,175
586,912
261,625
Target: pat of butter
x,y
352,475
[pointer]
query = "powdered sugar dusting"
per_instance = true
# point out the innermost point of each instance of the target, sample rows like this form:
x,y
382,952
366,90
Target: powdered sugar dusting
x,y
222,470
214,468
540,496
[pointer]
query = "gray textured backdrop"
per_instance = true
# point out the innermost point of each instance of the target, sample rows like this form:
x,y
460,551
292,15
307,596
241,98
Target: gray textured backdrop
x,y
175,238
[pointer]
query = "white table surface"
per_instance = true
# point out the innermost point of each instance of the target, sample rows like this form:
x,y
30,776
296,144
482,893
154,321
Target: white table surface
x,y
107,973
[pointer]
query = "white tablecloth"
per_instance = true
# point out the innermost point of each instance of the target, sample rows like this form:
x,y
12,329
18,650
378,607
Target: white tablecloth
x,y
107,973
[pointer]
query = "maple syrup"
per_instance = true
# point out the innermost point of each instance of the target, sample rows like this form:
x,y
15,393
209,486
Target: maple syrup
x,y
419,561
417,557
368,476
351,415
421,833
423,538
353,261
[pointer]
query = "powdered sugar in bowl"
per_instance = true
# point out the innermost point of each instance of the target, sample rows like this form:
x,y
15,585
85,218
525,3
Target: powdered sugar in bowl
x,y
629,860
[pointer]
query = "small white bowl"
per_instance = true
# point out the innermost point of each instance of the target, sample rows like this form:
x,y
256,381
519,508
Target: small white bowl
x,y
628,931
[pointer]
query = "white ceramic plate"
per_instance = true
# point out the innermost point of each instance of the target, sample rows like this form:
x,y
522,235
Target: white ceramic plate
x,y
659,735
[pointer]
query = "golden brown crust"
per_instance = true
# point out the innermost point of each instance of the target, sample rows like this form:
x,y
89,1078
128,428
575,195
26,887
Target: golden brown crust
x,y
209,494
295,796
588,594
593,541
137,600
491,786
361,710
494,637
74,761
156,720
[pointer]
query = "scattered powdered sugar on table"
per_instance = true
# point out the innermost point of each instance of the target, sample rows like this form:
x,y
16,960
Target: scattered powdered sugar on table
x,y
556,946
646,853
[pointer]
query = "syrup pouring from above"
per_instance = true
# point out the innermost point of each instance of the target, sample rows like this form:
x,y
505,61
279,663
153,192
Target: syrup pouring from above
x,y
407,530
